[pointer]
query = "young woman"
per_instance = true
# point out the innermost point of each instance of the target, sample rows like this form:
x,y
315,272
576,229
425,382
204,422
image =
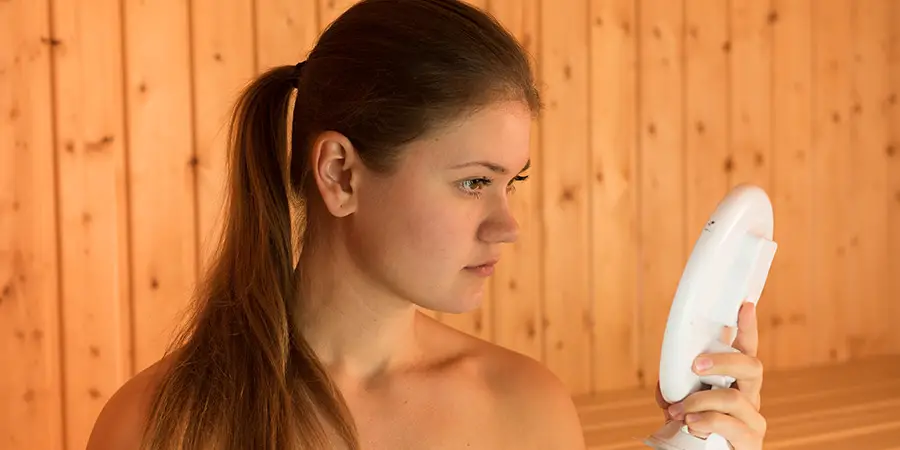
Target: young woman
x,y
409,131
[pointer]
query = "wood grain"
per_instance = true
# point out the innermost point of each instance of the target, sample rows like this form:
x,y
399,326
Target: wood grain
x,y
661,172
614,188
161,172
789,288
93,207
827,406
892,309
832,65
31,378
222,65
868,184
285,31
112,121
566,200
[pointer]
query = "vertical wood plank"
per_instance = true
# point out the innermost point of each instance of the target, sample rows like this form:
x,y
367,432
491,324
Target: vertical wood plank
x,y
790,279
223,63
751,71
867,256
832,64
286,31
892,308
661,173
483,4
517,291
330,10
751,114
613,163
161,170
566,198
90,149
30,379
707,93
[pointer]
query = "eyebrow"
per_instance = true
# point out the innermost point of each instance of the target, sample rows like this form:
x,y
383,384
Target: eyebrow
x,y
492,166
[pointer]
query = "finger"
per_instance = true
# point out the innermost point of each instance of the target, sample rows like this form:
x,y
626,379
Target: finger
x,y
746,370
724,401
747,340
662,403
737,433
660,400
698,433
728,335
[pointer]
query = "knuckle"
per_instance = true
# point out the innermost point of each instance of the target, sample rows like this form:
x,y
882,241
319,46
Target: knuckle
x,y
715,420
733,396
703,400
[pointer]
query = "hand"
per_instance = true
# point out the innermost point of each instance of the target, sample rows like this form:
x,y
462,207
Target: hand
x,y
732,413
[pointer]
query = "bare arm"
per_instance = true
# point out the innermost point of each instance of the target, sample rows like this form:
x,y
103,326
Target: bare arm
x,y
120,423
540,409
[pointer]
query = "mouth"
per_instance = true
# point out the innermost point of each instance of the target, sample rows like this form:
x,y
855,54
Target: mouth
x,y
489,262
484,269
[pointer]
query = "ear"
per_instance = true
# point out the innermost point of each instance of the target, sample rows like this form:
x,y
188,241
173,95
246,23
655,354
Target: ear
x,y
336,168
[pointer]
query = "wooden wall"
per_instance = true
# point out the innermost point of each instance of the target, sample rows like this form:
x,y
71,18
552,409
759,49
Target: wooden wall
x,y
111,169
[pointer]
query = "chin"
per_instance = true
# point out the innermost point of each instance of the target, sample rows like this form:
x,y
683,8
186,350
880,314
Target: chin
x,y
457,304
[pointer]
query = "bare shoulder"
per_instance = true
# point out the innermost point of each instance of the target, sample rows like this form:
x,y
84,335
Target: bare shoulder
x,y
539,406
534,407
121,421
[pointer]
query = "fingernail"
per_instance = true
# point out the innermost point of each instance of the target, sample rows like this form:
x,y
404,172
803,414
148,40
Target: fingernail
x,y
691,418
703,363
676,409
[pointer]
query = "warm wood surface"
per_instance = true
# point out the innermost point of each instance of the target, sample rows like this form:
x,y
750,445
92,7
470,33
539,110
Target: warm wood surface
x,y
846,406
112,117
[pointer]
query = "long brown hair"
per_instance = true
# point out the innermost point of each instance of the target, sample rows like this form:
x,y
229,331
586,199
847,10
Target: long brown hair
x,y
383,74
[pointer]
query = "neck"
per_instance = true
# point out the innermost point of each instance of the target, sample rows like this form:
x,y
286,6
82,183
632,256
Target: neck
x,y
359,331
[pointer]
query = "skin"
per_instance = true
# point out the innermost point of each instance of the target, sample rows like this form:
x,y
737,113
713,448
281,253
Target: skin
x,y
387,246
394,243
406,241
732,413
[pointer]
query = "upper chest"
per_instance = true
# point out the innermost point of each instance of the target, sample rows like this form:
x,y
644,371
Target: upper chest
x,y
431,411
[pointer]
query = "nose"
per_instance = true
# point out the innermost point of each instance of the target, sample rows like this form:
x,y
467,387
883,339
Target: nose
x,y
500,227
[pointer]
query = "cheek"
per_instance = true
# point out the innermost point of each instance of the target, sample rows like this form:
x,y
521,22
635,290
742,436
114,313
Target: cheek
x,y
420,229
436,227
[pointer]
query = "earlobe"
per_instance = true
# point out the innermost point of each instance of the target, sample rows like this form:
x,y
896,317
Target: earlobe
x,y
335,167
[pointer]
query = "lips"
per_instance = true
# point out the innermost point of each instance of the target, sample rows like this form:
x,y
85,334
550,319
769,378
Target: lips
x,y
484,270
488,263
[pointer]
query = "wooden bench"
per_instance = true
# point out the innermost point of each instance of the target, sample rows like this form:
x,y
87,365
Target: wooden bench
x,y
847,406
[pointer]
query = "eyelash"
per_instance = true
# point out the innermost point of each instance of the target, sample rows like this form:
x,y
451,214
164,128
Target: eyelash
x,y
487,182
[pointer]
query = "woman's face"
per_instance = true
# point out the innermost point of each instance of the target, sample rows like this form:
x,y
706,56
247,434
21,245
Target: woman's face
x,y
432,231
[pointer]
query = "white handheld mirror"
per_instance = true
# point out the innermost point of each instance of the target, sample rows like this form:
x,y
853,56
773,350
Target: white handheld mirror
x,y
728,266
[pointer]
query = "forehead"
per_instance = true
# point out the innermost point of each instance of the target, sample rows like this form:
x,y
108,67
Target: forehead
x,y
499,133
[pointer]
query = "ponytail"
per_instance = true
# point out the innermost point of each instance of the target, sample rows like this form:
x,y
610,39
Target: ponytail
x,y
243,376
